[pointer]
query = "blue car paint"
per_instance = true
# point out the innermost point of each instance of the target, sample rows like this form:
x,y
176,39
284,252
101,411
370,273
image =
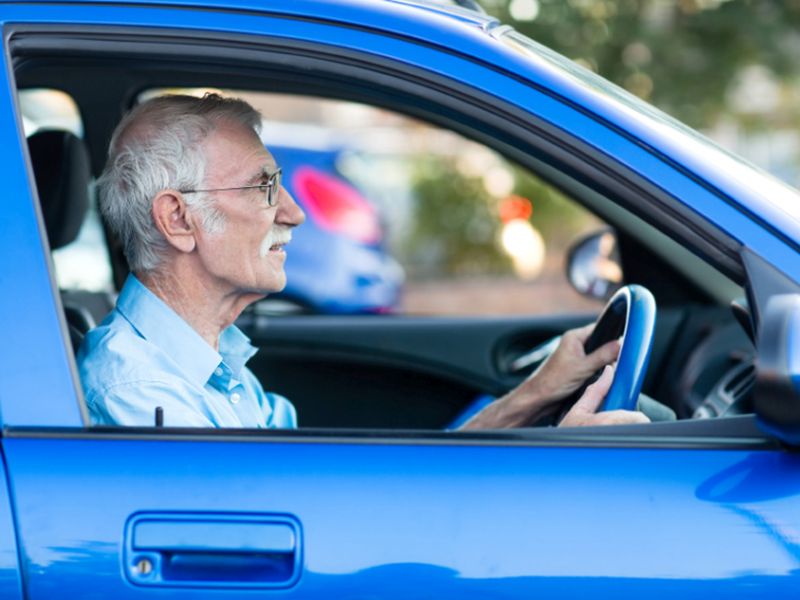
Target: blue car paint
x,y
213,550
327,271
26,276
393,519
10,572
435,520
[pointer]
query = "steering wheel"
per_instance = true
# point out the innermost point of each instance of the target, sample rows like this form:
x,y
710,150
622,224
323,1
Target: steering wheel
x,y
630,315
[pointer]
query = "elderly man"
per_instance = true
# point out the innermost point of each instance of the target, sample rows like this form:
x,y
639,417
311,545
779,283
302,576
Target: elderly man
x,y
196,201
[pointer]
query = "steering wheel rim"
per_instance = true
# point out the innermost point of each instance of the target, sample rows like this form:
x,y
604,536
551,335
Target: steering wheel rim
x,y
630,314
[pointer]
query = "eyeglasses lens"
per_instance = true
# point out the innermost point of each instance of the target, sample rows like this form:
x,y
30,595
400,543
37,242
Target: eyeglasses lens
x,y
273,189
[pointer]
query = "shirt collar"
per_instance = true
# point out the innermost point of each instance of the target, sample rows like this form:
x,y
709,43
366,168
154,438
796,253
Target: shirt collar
x,y
158,323
236,349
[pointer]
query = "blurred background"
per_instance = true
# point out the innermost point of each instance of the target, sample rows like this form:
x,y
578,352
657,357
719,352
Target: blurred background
x,y
405,217
729,68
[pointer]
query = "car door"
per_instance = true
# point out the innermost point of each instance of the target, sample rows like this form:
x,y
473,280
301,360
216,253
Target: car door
x,y
136,514
688,508
10,572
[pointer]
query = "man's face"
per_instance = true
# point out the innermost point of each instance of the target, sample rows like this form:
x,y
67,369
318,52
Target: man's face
x,y
247,256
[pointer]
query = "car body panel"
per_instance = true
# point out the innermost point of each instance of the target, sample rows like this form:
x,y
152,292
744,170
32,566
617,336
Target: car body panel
x,y
10,571
400,520
33,324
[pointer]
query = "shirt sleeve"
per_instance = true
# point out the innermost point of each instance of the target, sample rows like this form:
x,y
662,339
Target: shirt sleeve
x,y
133,404
277,412
282,415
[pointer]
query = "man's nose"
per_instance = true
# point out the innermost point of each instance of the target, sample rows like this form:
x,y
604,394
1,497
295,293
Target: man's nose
x,y
289,213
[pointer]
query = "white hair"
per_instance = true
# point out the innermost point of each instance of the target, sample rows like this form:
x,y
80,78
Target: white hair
x,y
159,146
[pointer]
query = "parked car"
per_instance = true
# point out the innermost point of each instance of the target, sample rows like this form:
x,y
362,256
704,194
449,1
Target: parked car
x,y
339,263
372,497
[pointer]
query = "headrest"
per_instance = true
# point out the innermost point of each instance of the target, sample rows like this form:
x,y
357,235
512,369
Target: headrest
x,y
61,167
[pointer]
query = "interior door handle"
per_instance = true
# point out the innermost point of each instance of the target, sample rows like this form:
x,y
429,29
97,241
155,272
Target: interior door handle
x,y
535,356
213,550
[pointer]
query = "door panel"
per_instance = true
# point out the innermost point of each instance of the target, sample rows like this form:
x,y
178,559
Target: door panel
x,y
10,582
406,372
401,519
388,372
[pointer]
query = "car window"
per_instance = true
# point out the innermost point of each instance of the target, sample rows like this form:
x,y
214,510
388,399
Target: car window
x,y
423,220
408,219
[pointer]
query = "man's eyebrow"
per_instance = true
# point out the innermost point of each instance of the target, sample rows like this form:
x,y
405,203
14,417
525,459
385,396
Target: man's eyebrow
x,y
262,174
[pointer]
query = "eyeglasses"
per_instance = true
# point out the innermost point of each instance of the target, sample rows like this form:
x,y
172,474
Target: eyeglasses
x,y
270,189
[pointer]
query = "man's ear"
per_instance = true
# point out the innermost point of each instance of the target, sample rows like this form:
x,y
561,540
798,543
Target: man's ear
x,y
173,220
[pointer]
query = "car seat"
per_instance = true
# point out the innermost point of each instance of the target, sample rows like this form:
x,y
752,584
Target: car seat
x,y
61,169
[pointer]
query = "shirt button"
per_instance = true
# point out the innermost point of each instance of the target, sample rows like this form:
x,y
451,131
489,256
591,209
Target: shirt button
x,y
235,398
218,371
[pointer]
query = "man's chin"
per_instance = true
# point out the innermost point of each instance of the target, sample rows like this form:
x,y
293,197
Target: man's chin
x,y
275,286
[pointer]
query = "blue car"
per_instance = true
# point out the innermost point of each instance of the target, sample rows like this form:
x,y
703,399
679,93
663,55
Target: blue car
x,y
339,263
376,495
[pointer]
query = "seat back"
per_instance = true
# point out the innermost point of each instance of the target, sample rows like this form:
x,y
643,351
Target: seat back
x,y
61,168
62,172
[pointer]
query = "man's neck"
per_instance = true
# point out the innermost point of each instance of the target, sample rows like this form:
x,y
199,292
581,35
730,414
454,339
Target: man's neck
x,y
207,310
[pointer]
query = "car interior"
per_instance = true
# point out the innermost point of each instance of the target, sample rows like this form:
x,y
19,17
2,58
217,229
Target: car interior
x,y
398,372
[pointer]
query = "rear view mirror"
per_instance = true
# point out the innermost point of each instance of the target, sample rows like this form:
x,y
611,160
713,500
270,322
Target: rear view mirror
x,y
593,265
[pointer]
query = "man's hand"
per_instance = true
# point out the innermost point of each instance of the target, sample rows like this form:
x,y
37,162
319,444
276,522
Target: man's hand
x,y
569,366
584,412
541,393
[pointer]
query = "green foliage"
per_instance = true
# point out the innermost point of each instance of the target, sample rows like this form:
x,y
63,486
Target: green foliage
x,y
557,218
684,56
455,224
692,58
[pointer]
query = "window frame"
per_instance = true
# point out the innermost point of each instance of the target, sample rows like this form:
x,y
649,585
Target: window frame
x,y
507,128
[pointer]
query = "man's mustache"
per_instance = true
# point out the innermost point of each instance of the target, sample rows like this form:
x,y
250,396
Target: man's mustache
x,y
277,235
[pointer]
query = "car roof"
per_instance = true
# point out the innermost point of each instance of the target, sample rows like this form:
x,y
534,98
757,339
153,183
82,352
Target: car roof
x,y
467,11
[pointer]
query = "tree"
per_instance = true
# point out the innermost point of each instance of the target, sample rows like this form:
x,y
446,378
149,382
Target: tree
x,y
699,60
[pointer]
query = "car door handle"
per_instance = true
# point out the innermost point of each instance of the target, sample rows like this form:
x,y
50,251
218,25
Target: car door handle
x,y
213,550
535,356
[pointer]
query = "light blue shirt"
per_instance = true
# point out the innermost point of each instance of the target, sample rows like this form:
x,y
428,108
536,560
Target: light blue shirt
x,y
143,355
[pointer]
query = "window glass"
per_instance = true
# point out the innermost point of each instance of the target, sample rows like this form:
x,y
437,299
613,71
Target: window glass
x,y
404,217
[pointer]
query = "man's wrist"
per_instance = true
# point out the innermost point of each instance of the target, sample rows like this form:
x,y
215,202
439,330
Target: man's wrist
x,y
515,409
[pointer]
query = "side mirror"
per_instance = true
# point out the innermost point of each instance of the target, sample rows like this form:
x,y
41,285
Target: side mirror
x,y
777,390
593,265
